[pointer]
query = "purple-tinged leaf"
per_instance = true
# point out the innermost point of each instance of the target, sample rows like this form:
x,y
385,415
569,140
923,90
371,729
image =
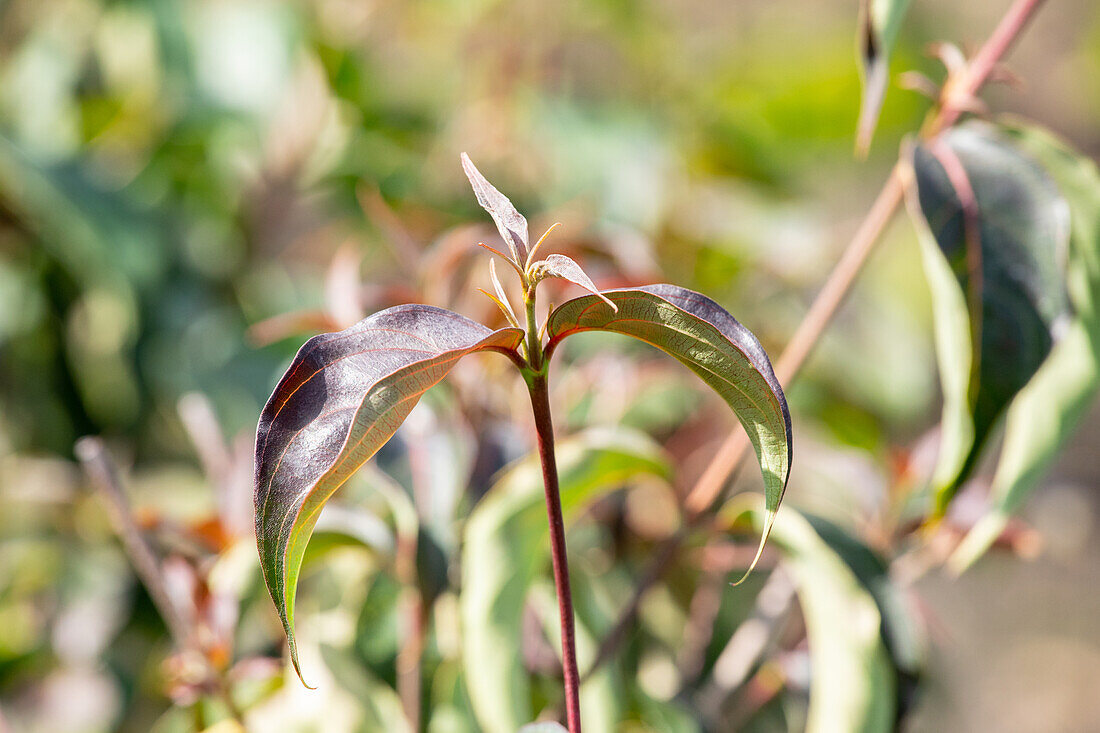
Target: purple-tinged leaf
x,y
343,397
710,342
566,269
994,232
510,223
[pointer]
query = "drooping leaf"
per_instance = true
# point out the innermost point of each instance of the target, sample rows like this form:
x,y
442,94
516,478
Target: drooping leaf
x,y
706,338
879,22
507,547
1048,409
853,684
902,632
567,269
510,223
998,303
342,398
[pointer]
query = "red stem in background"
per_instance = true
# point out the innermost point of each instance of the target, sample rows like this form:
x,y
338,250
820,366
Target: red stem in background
x,y
544,427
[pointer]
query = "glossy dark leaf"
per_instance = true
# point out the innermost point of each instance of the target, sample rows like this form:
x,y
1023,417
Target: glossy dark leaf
x,y
1047,411
998,286
879,22
342,398
706,338
510,223
567,269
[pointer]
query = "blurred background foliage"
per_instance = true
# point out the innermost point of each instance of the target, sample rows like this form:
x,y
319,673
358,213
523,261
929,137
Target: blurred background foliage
x,y
190,189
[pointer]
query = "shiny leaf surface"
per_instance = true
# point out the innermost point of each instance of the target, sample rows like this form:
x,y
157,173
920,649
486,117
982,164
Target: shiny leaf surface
x,y
710,342
998,302
1047,411
342,398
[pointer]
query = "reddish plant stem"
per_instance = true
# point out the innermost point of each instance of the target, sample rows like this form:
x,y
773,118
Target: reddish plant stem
x,y
103,475
708,489
544,428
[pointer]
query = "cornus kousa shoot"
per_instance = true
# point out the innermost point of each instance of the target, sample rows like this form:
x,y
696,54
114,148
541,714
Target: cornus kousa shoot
x,y
346,393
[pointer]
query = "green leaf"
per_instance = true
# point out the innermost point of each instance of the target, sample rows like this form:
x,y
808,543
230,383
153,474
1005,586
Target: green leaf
x,y
1048,409
902,632
343,397
706,338
506,549
994,257
879,22
853,684
379,704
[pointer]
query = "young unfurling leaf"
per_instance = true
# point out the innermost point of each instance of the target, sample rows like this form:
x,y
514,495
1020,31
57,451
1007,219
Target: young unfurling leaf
x,y
501,298
510,223
567,269
343,397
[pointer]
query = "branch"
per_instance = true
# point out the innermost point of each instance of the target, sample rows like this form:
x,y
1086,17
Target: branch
x,y
103,474
710,485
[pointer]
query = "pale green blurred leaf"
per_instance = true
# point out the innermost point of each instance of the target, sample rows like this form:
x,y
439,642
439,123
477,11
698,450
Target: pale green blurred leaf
x,y
507,547
879,23
853,685
380,705
543,728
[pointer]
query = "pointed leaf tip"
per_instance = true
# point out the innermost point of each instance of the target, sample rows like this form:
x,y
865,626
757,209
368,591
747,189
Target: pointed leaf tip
x,y
343,397
879,23
710,342
509,222
566,268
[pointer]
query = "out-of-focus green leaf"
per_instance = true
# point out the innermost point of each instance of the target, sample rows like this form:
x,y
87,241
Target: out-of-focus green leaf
x,y
1048,409
381,707
879,22
901,630
601,693
710,342
507,547
543,728
97,233
998,302
853,685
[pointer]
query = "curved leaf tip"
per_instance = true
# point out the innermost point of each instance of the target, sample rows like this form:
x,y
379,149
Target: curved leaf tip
x,y
343,396
712,343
